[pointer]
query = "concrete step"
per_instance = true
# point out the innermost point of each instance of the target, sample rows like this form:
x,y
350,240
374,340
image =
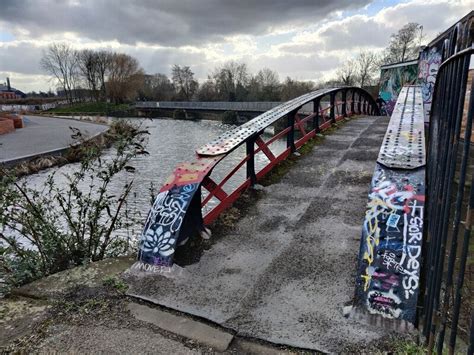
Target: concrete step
x,y
183,326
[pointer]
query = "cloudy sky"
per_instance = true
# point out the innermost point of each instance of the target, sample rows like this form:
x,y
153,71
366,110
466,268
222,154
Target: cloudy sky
x,y
304,39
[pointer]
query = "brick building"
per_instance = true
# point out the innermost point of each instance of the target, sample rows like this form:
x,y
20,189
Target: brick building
x,y
9,93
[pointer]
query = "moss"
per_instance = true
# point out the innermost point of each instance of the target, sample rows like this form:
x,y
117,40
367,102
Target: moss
x,y
115,283
230,117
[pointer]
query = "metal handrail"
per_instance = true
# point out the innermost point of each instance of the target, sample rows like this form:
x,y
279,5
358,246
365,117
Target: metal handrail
x,y
177,213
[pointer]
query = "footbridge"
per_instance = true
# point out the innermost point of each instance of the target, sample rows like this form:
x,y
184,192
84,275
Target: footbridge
x,y
214,109
366,232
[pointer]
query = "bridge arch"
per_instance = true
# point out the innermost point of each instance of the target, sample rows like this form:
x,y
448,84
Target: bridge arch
x,y
185,205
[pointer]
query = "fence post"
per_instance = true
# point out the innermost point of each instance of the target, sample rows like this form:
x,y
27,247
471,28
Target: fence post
x,y
290,137
316,115
332,110
344,103
352,102
250,145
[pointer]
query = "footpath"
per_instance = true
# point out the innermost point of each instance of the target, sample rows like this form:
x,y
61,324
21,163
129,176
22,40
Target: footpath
x,y
43,136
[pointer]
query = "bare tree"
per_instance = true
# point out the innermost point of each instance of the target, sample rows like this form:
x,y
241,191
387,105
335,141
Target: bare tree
x,y
366,66
404,45
208,91
156,87
183,80
231,81
294,88
60,61
265,86
346,74
103,64
87,62
125,78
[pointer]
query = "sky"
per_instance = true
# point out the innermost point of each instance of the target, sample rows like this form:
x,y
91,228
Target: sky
x,y
303,39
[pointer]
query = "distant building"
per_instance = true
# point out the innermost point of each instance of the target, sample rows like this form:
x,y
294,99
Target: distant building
x,y
9,93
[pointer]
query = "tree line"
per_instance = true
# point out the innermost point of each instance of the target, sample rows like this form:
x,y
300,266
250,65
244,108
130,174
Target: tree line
x,y
101,75
231,81
117,77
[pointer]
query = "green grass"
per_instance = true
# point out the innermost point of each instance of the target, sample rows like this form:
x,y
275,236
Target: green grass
x,y
90,107
409,347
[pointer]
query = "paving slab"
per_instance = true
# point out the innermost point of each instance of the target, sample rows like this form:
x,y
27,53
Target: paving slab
x,y
87,339
43,134
286,271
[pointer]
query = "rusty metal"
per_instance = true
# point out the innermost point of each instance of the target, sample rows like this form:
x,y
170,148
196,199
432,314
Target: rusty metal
x,y
181,211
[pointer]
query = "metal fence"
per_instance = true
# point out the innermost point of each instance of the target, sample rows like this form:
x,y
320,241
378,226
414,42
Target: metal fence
x,y
447,305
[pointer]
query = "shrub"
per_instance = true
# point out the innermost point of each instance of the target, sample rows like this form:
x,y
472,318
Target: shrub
x,y
48,229
230,117
179,114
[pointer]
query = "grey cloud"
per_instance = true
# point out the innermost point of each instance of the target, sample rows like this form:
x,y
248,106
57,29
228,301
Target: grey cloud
x,y
297,66
356,31
165,22
22,58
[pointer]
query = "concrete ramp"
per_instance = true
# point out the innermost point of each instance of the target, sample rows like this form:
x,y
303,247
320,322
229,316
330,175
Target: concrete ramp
x,y
288,268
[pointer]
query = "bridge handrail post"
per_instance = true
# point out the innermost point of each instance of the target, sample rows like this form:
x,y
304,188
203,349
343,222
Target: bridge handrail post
x,y
344,103
332,111
250,147
316,109
353,102
290,137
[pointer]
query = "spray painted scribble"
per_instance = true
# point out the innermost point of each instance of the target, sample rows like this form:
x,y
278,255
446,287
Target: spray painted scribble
x,y
389,258
430,60
391,243
392,80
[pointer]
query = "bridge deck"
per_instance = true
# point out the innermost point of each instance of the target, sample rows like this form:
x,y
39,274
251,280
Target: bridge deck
x,y
288,268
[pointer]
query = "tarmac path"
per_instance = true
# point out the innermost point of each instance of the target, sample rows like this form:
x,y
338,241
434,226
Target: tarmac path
x,y
41,135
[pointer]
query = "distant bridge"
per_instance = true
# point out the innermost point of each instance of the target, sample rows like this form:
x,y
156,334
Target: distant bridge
x,y
208,106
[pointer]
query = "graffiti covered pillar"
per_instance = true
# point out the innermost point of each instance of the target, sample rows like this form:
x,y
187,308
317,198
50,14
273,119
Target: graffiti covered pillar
x,y
390,251
430,60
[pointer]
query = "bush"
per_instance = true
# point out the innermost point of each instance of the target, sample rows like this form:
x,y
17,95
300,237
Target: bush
x,y
230,117
48,229
179,114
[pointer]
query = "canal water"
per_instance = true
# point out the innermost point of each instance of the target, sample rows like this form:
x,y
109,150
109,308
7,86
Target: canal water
x,y
170,142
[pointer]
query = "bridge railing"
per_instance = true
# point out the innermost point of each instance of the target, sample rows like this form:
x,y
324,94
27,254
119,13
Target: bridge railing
x,y
247,106
448,269
197,192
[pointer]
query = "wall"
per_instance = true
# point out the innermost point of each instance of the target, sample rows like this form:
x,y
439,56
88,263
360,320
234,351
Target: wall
x,y
428,65
6,125
393,78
